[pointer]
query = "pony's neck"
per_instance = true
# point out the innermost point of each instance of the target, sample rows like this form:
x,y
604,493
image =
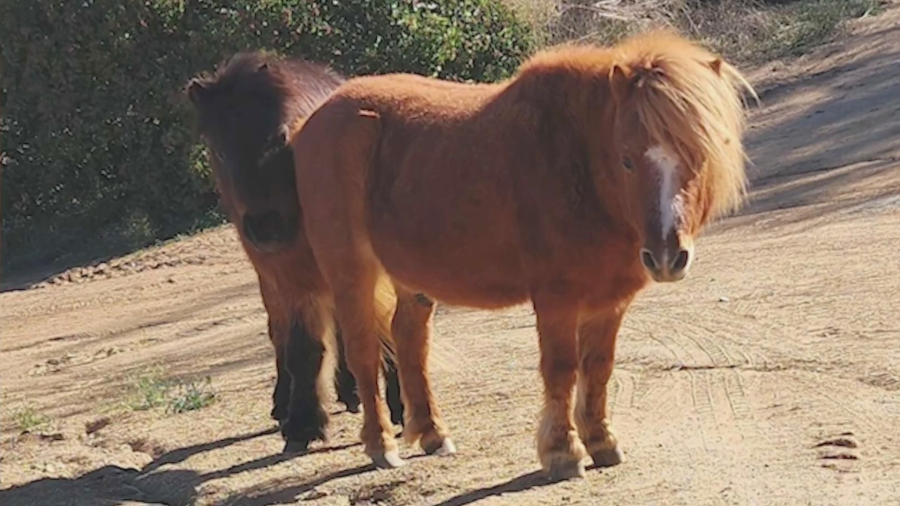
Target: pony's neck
x,y
609,175
566,91
576,100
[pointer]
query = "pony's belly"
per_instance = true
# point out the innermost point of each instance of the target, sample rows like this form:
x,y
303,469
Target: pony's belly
x,y
486,293
455,278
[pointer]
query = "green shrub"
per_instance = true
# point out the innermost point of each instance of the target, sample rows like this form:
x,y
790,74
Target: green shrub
x,y
97,138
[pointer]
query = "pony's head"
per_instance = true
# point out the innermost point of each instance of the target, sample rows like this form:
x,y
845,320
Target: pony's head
x,y
244,112
679,124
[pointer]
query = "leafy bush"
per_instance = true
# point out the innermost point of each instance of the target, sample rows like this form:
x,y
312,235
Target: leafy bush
x,y
97,139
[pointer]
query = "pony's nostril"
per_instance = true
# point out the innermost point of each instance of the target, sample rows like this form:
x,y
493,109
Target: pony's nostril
x,y
648,260
681,261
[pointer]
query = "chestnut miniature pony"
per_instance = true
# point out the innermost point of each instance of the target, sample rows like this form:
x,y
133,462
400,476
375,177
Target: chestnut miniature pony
x,y
569,186
243,111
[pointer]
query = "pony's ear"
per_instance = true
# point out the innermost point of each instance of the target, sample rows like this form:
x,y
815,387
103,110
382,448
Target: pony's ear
x,y
716,66
263,67
620,82
195,90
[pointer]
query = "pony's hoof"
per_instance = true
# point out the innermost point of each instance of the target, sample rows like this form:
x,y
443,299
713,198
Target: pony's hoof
x,y
298,430
608,458
441,448
566,470
388,460
295,447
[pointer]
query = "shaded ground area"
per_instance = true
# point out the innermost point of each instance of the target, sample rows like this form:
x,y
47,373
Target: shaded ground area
x,y
771,376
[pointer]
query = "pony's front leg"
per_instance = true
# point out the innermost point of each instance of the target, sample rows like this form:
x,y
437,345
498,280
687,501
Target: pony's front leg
x,y
411,329
281,395
596,355
355,308
559,448
344,382
279,330
306,356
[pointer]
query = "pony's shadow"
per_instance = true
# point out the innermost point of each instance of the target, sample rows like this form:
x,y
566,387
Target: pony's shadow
x,y
290,495
110,485
271,460
535,479
182,454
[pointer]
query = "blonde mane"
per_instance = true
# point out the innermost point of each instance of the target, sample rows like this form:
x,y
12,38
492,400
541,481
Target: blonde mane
x,y
683,94
693,100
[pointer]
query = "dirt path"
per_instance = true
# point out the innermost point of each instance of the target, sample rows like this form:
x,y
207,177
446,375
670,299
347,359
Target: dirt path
x,y
770,377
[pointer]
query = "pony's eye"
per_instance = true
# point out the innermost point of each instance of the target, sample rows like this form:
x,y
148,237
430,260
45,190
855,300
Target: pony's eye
x,y
629,166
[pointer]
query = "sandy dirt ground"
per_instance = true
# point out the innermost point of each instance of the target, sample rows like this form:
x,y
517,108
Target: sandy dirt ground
x,y
770,377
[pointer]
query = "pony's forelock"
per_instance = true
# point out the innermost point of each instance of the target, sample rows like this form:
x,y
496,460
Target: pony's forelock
x,y
290,87
694,102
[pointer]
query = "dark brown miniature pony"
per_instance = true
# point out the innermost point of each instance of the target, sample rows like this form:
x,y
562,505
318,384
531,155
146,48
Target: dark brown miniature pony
x,y
244,111
570,186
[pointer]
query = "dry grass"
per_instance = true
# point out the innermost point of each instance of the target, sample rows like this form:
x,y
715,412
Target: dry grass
x,y
28,419
152,390
747,31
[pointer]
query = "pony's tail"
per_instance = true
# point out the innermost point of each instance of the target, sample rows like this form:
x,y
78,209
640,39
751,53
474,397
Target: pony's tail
x,y
385,306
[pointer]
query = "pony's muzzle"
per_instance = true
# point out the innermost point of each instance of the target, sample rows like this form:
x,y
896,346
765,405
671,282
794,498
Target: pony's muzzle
x,y
267,232
666,265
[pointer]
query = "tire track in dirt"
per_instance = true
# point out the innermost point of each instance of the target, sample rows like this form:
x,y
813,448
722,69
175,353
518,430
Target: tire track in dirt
x,y
707,364
716,392
702,406
714,366
811,415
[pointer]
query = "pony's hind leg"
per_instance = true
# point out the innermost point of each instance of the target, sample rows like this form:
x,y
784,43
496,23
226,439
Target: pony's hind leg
x,y
596,356
411,329
306,356
344,382
331,185
355,308
559,448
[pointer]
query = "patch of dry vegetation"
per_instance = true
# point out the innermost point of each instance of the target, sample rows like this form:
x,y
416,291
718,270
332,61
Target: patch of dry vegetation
x,y
28,419
152,390
747,31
